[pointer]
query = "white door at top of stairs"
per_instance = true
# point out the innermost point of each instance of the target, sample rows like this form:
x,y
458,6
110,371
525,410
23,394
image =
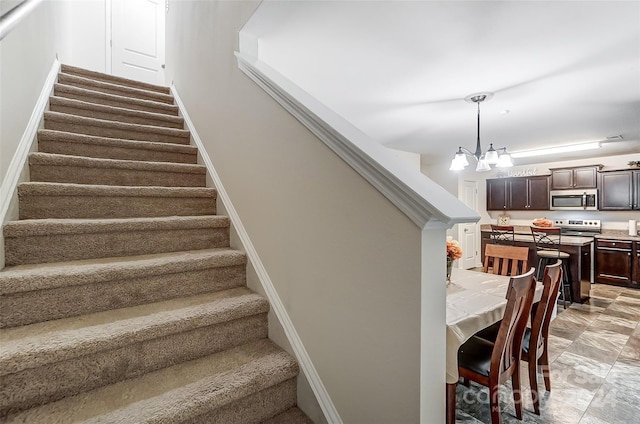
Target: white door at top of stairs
x,y
468,232
137,39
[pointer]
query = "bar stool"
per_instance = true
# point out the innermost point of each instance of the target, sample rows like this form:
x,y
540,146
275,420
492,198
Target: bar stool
x,y
548,241
503,234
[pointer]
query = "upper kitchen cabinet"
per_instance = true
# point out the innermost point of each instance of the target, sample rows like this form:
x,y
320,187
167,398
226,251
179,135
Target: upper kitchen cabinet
x,y
497,194
518,193
578,177
619,190
530,193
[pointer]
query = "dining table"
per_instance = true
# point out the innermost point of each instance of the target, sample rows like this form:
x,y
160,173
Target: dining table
x,y
475,300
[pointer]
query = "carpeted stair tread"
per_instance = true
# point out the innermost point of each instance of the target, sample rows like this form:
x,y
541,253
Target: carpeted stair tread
x,y
113,113
36,293
78,93
104,128
62,189
98,349
180,393
73,70
110,87
59,240
290,416
31,277
53,167
37,158
40,200
42,227
60,142
44,343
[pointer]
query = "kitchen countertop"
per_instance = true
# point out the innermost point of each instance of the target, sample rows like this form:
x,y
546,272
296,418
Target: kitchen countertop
x,y
617,235
523,233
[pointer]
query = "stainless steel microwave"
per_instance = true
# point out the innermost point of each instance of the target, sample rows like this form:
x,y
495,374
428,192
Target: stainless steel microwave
x,y
573,200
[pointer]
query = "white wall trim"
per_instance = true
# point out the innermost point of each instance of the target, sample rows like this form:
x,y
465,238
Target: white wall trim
x,y
26,142
426,203
322,396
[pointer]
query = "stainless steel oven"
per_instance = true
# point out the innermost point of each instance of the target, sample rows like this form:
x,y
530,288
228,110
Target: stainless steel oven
x,y
587,229
573,200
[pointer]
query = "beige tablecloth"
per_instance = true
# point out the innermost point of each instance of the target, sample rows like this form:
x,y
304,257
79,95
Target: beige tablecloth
x,y
475,300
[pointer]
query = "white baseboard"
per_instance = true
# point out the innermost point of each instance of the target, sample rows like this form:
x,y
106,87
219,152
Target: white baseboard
x,y
306,366
26,142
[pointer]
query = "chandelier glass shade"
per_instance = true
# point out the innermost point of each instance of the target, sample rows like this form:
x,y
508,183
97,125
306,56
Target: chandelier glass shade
x,y
498,157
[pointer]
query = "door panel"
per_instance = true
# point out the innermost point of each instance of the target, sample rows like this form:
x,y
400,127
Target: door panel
x,y
538,193
497,194
138,40
616,190
518,194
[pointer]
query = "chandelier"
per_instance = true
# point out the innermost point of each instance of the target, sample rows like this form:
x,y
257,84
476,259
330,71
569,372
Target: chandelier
x,y
498,157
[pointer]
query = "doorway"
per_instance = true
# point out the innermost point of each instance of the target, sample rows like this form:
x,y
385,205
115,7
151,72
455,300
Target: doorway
x,y
136,39
468,232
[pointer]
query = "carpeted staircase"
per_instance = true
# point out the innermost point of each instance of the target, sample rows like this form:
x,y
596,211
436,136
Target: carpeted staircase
x,y
121,300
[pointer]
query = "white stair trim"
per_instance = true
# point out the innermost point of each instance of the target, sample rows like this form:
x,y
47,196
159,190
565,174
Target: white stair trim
x,y
26,142
306,366
426,203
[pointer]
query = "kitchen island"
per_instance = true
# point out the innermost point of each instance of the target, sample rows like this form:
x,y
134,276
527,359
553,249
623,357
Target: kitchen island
x,y
580,264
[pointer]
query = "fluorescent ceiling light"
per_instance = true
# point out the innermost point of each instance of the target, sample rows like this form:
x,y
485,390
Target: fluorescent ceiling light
x,y
554,150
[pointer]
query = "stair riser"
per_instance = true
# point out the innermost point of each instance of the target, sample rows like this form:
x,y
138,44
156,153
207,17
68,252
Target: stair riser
x,y
254,408
69,247
93,150
41,207
112,79
113,132
88,372
116,117
44,305
104,99
114,176
119,90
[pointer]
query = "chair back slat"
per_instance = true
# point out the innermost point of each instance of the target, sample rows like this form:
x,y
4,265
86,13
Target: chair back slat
x,y
506,260
506,352
542,318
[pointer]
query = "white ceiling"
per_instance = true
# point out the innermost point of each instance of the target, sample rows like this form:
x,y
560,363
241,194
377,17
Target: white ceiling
x,y
566,71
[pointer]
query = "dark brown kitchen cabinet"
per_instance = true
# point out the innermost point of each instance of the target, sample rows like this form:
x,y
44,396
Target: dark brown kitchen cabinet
x,y
620,190
518,193
579,177
530,193
497,194
614,261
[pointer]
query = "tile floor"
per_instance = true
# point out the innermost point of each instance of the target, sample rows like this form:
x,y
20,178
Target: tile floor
x,y
595,369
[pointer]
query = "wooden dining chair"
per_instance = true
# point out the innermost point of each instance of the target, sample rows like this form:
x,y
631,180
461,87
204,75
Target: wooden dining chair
x,y
492,364
503,234
535,340
506,260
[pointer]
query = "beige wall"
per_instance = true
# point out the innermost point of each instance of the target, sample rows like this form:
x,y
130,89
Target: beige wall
x,y
26,56
345,261
72,30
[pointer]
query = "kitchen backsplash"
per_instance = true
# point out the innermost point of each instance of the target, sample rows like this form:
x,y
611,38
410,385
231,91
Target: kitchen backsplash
x,y
613,221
